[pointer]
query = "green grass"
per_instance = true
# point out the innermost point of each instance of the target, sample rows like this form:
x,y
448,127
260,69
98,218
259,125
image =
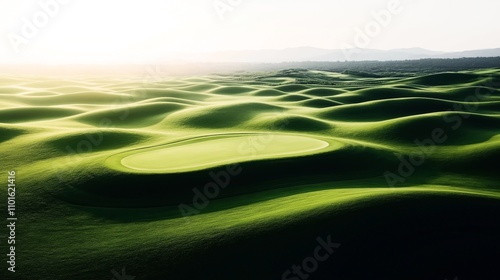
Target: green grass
x,y
103,165
205,152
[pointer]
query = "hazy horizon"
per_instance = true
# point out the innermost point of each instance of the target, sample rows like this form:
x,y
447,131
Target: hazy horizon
x,y
57,31
250,139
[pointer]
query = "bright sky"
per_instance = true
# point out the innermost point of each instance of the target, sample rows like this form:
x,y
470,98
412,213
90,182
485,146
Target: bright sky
x,y
100,31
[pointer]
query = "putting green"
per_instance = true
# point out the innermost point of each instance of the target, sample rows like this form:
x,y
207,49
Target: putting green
x,y
204,152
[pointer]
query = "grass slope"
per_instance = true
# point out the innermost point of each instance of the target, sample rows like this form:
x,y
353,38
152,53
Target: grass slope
x,y
103,165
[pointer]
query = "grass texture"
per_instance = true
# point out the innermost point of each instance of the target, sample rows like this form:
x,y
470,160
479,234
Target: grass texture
x,y
402,172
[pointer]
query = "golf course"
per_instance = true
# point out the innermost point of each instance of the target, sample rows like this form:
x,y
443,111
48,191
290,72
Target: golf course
x,y
289,174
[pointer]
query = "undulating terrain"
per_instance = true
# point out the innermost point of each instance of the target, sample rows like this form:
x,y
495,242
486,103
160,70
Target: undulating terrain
x,y
238,176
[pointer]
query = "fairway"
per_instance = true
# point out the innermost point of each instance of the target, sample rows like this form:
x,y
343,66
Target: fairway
x,y
218,150
250,140
238,176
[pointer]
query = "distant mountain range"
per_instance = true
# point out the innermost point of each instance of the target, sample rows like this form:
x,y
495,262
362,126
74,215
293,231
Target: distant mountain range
x,y
302,54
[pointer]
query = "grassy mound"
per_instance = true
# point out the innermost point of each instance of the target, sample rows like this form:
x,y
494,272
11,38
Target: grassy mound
x,y
238,177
